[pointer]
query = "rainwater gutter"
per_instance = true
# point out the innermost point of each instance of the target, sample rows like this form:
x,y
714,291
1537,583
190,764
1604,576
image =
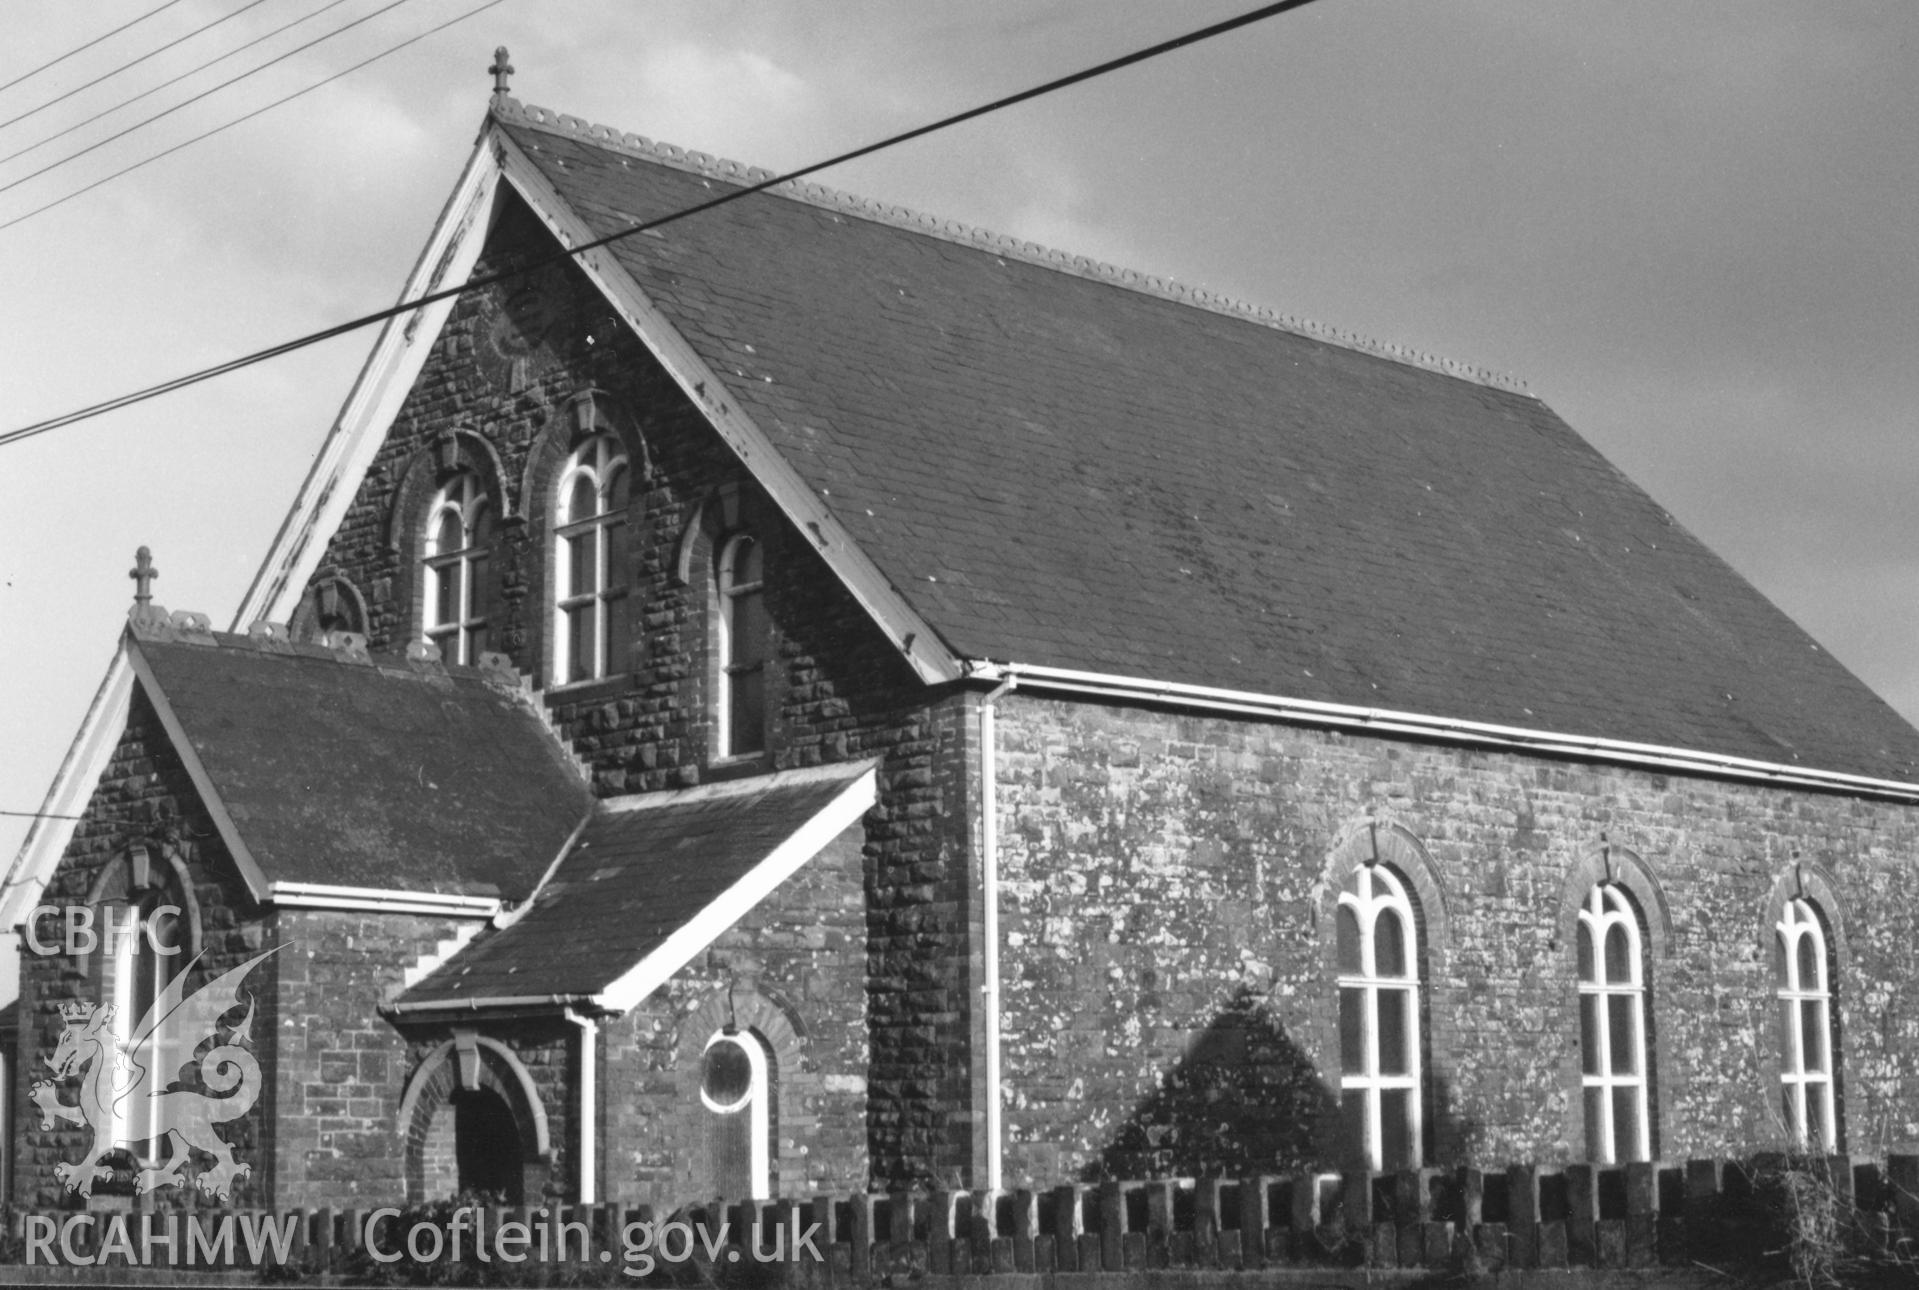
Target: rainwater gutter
x,y
989,901
313,895
487,1003
589,1104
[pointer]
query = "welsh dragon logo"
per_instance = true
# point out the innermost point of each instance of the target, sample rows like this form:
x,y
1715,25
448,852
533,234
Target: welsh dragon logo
x,y
113,1072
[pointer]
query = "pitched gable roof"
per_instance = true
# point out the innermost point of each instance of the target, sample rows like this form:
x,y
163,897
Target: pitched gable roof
x,y
333,772
1056,469
650,881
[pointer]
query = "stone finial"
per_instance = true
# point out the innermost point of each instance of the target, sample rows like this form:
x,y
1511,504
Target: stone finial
x,y
501,69
143,573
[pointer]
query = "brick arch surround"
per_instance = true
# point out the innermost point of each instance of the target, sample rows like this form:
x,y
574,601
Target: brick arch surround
x,y
473,1062
587,412
1606,862
116,877
449,451
329,585
1804,880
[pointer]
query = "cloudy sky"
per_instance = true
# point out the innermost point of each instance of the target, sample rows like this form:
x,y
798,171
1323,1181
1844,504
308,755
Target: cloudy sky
x,y
1690,228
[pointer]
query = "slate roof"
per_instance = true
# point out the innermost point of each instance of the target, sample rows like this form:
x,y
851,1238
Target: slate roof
x,y
1059,470
375,773
641,869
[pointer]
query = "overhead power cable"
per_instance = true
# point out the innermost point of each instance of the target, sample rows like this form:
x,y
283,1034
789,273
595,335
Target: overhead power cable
x,y
126,66
81,49
490,279
188,102
173,80
240,120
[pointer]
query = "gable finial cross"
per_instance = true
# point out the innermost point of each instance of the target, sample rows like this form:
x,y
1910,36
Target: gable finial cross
x,y
143,573
501,69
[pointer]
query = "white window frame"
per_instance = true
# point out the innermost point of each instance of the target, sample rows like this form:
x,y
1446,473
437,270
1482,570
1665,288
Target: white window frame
x,y
132,1113
465,498
753,1101
1800,922
602,461
729,593
1367,904
1607,907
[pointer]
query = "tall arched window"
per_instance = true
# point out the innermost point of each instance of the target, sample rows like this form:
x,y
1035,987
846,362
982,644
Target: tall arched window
x,y
588,623
144,945
740,718
1805,1028
735,1088
459,531
1379,1043
1612,1028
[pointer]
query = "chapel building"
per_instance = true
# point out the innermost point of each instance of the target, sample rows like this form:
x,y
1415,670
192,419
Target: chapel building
x,y
808,696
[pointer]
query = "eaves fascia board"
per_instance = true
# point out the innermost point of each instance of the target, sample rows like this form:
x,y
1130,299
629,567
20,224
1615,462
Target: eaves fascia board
x,y
494,1006
1386,721
915,639
73,785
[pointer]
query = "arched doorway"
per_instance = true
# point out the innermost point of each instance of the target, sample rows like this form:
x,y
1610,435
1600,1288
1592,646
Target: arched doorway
x,y
474,1124
488,1156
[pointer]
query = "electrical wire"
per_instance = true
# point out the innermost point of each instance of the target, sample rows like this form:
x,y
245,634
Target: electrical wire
x,y
81,49
241,120
490,279
126,66
175,80
188,102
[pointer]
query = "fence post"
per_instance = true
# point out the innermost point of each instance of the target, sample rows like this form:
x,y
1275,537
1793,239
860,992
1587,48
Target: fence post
x,y
1902,1175
1582,1213
862,1224
1112,1227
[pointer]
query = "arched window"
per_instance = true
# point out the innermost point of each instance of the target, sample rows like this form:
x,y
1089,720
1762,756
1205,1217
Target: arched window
x,y
588,623
1805,1028
459,530
1379,1042
144,944
740,716
1612,1028
735,1088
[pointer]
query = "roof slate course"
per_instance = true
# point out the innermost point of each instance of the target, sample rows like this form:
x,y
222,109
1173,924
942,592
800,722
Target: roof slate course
x,y
635,876
1059,470
372,774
